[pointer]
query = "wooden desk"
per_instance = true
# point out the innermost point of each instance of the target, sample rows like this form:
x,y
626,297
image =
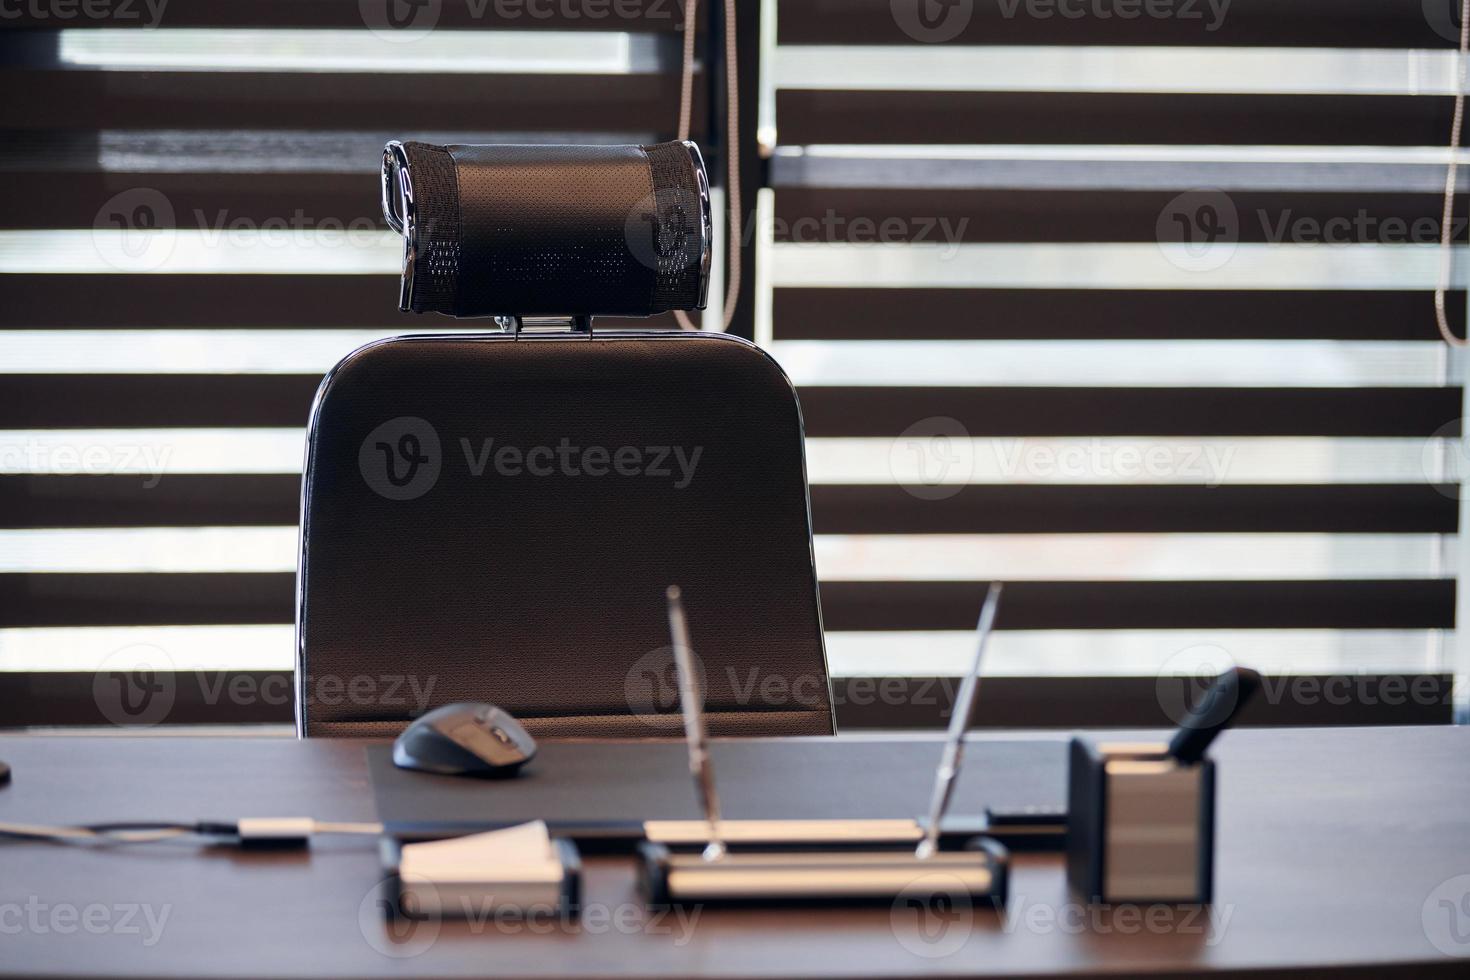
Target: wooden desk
x,y
1336,850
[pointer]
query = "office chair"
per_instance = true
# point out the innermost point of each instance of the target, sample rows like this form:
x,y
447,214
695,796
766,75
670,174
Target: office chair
x,y
496,517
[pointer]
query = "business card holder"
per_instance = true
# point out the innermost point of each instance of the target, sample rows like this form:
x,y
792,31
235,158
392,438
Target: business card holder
x,y
472,892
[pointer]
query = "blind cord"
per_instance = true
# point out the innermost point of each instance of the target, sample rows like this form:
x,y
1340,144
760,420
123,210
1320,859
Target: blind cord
x,y
686,79
1446,248
732,143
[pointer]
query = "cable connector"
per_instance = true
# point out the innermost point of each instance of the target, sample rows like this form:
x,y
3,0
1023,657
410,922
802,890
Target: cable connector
x,y
275,832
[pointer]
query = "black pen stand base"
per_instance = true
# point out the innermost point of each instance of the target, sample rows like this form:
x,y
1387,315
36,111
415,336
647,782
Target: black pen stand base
x,y
978,871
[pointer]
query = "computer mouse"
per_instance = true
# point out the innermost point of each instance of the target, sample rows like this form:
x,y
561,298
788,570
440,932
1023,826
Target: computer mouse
x,y
465,740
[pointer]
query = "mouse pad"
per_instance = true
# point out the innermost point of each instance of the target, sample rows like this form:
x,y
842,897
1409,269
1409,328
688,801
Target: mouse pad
x,y
606,790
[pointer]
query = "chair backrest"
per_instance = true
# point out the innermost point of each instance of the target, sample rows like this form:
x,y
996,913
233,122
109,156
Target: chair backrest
x,y
496,518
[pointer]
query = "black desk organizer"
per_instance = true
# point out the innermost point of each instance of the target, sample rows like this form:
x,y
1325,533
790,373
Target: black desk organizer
x,y
834,874
786,862
1141,824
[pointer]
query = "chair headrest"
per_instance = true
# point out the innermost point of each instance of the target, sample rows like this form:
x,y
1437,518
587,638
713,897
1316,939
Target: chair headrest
x,y
512,230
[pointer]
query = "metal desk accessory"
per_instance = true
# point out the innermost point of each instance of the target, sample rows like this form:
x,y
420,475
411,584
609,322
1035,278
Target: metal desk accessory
x,y
825,861
1141,815
520,870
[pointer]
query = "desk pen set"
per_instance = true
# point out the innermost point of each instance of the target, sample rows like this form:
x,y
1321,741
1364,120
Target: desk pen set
x,y
816,861
1138,827
714,860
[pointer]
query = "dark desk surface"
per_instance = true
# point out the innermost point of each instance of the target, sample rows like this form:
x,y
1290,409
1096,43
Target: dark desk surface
x,y
1343,850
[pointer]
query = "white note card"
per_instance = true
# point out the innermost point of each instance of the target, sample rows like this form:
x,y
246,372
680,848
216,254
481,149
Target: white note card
x,y
523,853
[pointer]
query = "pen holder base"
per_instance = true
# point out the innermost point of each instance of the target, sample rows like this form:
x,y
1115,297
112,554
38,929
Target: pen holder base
x,y
416,897
812,835
1141,825
979,871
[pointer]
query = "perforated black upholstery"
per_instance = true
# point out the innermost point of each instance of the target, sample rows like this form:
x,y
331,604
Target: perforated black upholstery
x,y
554,230
543,591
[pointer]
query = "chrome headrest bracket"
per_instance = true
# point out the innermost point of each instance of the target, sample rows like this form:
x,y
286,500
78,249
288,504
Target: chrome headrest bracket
x,y
400,213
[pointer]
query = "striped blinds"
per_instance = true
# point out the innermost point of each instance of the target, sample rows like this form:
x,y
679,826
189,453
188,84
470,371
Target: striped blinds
x,y
1129,305
1067,293
190,238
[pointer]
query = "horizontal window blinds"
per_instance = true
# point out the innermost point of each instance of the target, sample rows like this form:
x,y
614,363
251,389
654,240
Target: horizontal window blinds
x,y
190,238
1129,305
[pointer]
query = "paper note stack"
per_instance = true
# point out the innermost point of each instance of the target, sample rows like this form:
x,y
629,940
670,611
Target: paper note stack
x,y
466,877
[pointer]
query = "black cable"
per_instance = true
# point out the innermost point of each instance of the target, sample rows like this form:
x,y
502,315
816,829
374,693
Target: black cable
x,y
247,832
131,833
106,828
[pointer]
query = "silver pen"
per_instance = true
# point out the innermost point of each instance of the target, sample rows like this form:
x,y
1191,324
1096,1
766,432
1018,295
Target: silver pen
x,y
959,723
691,704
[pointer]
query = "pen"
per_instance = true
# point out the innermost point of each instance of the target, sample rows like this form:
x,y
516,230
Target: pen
x,y
959,722
691,703
1213,714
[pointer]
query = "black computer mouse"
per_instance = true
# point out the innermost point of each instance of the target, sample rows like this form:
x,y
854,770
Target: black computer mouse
x,y
465,740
